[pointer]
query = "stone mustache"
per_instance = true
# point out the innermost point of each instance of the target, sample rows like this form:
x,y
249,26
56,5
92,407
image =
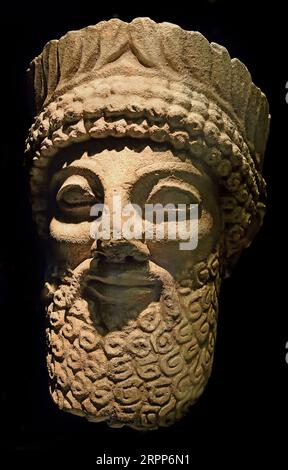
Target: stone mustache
x,y
154,114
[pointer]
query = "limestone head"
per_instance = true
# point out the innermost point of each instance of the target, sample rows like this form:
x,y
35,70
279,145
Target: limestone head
x,y
152,114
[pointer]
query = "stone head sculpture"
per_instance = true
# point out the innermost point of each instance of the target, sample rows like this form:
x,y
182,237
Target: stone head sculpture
x,y
156,115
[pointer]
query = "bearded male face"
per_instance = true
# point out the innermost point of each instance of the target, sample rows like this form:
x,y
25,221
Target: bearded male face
x,y
132,322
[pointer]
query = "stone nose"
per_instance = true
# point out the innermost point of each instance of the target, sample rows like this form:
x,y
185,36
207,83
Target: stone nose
x,y
120,251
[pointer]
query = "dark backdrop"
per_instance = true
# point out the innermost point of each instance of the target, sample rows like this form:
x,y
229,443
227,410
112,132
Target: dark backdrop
x,y
242,415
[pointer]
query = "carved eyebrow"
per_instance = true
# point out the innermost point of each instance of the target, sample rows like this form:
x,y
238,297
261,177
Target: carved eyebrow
x,y
166,167
60,176
175,183
180,176
150,175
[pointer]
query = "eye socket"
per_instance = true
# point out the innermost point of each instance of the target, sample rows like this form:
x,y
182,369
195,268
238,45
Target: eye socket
x,y
172,195
175,193
75,198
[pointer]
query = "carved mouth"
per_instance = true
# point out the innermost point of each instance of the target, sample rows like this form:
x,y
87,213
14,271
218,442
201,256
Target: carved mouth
x,y
121,281
117,284
129,293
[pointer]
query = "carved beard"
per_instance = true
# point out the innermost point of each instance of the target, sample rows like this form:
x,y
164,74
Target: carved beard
x,y
147,373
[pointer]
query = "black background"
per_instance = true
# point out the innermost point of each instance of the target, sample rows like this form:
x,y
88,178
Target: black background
x,y
242,415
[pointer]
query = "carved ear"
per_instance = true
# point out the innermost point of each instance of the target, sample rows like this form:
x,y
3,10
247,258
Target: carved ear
x,y
247,240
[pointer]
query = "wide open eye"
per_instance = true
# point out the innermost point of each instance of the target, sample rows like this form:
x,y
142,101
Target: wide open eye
x,y
76,197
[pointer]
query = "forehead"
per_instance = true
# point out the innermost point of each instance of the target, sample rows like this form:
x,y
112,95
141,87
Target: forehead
x,y
127,166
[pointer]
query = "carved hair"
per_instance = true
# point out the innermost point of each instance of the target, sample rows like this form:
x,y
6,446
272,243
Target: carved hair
x,y
179,90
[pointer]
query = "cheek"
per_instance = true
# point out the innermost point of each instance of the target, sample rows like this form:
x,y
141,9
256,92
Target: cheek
x,y
209,227
71,243
209,232
70,233
168,255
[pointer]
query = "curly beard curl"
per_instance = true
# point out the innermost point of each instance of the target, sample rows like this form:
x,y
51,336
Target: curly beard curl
x,y
146,374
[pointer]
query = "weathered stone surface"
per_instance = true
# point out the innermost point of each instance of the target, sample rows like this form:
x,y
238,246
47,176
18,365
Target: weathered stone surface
x,y
158,115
